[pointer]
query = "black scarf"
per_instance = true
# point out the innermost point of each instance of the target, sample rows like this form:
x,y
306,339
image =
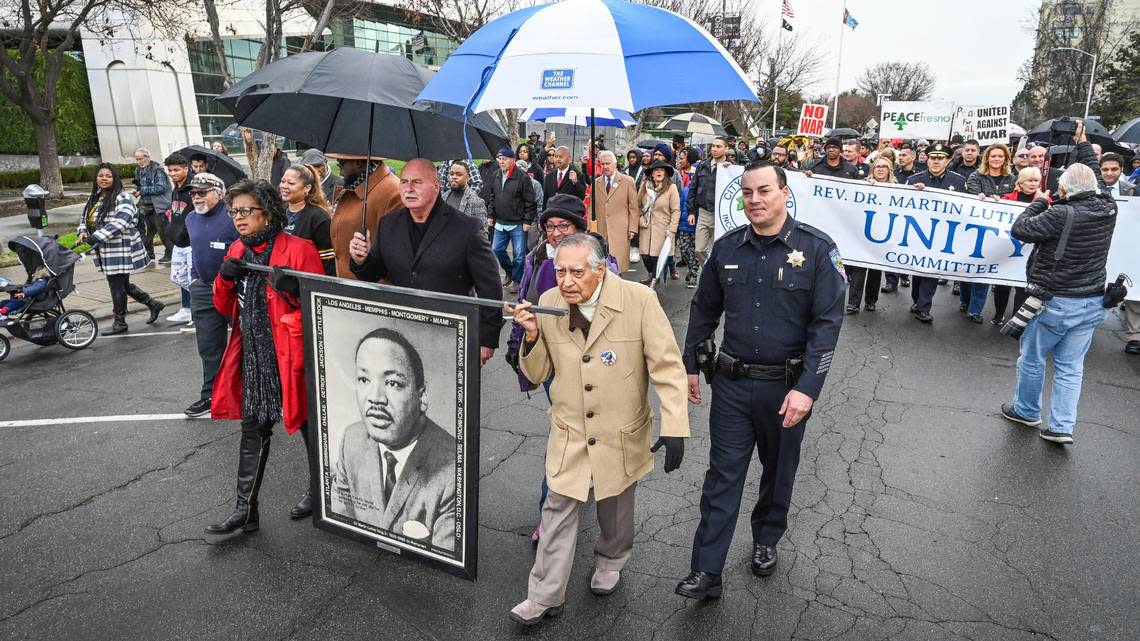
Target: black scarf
x,y
261,381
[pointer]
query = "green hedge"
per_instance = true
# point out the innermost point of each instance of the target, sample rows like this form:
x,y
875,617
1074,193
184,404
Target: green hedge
x,y
75,120
85,174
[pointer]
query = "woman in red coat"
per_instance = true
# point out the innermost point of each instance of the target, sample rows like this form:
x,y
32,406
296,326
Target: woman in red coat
x,y
262,376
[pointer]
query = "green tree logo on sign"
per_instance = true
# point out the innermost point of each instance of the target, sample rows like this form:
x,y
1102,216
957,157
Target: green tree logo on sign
x,y
900,122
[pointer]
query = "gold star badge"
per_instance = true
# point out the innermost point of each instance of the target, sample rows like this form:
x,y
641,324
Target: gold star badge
x,y
796,258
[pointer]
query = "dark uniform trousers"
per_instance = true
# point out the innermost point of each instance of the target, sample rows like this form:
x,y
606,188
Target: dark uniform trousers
x,y
745,415
922,290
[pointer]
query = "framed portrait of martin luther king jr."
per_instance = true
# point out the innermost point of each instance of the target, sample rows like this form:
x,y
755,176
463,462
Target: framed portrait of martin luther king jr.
x,y
393,384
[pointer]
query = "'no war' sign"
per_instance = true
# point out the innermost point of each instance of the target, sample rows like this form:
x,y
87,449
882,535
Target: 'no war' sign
x,y
812,119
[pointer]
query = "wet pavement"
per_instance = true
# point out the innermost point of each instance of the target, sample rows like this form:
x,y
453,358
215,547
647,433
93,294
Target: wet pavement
x,y
919,513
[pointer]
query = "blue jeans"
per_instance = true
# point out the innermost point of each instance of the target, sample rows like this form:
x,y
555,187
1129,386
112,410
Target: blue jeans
x,y
1064,329
974,295
516,237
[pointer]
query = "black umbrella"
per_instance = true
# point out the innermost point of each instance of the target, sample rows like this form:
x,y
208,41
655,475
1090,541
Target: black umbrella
x,y
1128,132
352,101
1093,129
651,143
843,132
219,164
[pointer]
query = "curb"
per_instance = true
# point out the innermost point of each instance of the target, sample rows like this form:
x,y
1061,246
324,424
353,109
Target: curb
x,y
166,298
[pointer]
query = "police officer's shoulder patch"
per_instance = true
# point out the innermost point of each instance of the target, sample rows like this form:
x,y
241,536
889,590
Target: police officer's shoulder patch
x,y
837,261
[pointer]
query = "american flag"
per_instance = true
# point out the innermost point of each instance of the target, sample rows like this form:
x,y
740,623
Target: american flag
x,y
787,10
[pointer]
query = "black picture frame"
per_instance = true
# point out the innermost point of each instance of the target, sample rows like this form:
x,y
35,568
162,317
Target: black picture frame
x,y
336,317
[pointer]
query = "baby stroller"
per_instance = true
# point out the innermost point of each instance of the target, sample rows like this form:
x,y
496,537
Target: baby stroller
x,y
44,320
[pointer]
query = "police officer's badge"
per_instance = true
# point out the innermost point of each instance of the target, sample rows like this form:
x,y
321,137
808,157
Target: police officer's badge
x,y
796,258
837,262
608,358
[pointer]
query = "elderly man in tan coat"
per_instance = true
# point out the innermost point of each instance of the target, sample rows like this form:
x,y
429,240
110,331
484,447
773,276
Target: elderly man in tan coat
x,y
618,209
614,341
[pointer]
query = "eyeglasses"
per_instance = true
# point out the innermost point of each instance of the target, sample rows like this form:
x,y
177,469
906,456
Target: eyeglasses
x,y
562,227
242,212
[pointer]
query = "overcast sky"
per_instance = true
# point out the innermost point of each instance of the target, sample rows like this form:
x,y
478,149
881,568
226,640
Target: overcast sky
x,y
974,46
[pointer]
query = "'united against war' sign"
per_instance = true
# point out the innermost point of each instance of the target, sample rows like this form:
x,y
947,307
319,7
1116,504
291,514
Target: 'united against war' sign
x,y
985,124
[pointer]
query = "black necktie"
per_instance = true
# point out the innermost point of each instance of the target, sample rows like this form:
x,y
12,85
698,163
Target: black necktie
x,y
389,476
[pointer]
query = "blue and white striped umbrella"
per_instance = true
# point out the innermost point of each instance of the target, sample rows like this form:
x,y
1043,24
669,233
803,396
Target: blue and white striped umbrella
x,y
588,53
580,116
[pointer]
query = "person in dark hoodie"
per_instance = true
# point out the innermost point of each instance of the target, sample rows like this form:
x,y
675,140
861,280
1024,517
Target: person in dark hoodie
x,y
181,204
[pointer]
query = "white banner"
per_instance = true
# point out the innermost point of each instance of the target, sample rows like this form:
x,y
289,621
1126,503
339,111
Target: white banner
x,y
927,232
912,120
986,124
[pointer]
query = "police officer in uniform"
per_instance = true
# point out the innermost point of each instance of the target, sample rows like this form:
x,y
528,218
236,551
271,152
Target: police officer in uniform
x,y
780,285
938,176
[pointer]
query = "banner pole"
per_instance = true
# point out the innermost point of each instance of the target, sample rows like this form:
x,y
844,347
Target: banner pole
x,y
838,66
393,289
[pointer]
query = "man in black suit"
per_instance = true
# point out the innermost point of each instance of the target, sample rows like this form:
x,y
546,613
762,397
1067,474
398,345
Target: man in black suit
x,y
428,244
563,179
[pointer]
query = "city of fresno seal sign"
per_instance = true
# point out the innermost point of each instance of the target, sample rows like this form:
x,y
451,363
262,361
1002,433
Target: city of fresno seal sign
x,y
730,209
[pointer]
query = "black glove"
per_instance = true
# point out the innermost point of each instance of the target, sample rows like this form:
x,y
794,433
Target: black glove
x,y
285,283
674,451
231,269
512,357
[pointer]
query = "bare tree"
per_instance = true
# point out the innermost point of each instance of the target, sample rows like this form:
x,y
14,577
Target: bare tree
x,y
260,153
457,19
43,33
855,108
902,80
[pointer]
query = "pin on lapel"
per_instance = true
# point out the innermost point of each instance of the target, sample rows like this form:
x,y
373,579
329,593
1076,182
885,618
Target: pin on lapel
x,y
608,357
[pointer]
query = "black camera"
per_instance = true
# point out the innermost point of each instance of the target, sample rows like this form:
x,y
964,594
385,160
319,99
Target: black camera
x,y
1115,293
1029,310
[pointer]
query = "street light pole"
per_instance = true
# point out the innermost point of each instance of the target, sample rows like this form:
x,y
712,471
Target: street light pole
x,y
1092,74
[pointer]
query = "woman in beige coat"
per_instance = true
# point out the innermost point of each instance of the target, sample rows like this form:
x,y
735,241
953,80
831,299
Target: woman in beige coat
x,y
660,215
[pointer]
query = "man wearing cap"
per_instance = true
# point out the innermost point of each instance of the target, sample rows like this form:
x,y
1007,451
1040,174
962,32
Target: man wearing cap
x,y
833,163
613,342
211,234
937,176
348,202
511,211
428,244
329,180
563,179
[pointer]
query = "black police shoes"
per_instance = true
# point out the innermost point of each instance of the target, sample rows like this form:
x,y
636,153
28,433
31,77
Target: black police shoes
x,y
763,559
1009,414
1133,347
700,585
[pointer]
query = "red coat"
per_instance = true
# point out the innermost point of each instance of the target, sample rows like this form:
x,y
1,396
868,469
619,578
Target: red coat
x,y
284,322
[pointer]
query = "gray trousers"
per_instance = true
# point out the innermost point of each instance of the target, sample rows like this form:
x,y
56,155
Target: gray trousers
x,y
1131,320
210,331
555,555
705,233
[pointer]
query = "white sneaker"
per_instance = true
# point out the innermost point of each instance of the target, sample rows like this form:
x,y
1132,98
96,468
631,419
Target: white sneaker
x,y
181,316
188,328
634,255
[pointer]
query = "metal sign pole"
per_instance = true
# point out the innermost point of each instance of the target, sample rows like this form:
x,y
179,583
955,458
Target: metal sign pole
x,y
455,298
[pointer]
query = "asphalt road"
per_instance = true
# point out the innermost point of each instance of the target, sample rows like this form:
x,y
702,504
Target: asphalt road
x,y
919,513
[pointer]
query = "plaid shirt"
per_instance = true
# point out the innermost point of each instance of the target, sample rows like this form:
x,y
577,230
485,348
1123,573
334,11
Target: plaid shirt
x,y
120,249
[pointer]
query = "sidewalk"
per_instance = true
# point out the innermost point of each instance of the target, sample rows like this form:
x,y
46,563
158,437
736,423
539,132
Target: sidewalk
x,y
91,291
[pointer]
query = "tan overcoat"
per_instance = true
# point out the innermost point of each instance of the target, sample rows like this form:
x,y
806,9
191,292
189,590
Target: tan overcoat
x,y
618,214
601,423
664,217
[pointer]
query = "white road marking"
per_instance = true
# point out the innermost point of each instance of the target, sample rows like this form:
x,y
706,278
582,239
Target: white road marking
x,y
122,418
143,334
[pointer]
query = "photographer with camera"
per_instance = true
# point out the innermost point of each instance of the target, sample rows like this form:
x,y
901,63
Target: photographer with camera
x,y
1066,282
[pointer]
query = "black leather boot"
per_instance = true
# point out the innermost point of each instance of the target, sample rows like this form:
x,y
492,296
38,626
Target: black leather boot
x,y
139,295
252,455
303,508
118,326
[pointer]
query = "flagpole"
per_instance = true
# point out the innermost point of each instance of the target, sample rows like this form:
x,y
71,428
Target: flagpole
x,y
775,71
838,66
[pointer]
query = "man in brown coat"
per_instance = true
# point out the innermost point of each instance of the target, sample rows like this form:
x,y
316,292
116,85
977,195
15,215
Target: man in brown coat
x,y
617,206
614,341
348,201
